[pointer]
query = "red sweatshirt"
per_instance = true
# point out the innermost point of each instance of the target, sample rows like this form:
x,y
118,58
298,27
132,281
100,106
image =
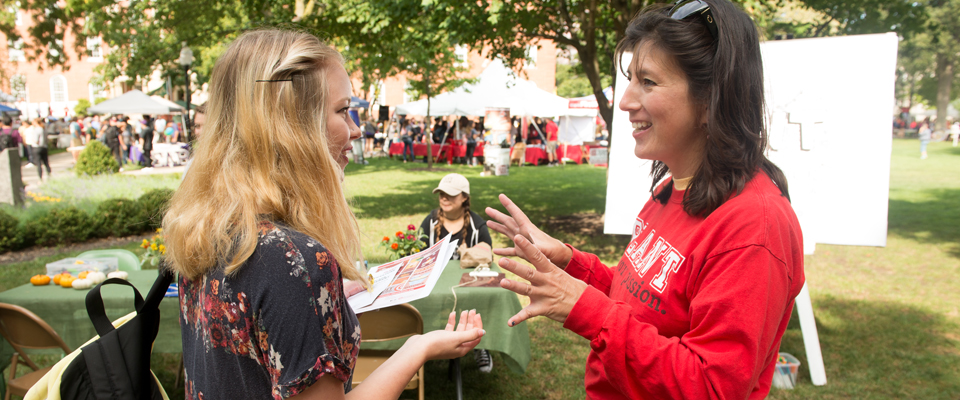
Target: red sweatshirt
x,y
708,300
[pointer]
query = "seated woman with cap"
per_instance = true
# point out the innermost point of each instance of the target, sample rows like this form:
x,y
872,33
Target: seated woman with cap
x,y
454,215
468,228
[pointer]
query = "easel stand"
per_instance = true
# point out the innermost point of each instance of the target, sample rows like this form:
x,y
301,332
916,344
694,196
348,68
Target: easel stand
x,y
811,340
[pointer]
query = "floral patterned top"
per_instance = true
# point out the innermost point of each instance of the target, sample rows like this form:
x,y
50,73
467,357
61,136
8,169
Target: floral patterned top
x,y
273,327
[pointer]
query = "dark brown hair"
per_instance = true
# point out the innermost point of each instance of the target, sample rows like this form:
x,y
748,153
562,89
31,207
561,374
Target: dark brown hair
x,y
466,218
726,76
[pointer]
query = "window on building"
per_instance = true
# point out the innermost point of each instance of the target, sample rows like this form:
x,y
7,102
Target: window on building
x,y
18,87
58,89
15,50
96,92
406,92
531,57
462,53
93,49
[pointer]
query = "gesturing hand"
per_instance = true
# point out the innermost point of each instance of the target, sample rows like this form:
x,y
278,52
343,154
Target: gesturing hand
x,y
552,292
450,342
517,223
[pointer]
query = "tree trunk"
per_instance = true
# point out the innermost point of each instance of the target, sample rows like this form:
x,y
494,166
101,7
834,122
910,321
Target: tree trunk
x,y
944,83
591,67
427,132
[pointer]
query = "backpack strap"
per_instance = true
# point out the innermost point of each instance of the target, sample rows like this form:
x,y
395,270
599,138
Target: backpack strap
x,y
95,307
96,310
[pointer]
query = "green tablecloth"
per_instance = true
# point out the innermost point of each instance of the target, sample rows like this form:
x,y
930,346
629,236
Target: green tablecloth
x,y
65,311
495,305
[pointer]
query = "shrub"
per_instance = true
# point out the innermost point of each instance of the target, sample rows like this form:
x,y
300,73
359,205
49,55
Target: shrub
x,y
60,226
153,205
118,217
96,159
81,108
10,237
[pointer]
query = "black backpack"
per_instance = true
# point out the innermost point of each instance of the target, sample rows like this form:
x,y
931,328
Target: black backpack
x,y
117,365
6,140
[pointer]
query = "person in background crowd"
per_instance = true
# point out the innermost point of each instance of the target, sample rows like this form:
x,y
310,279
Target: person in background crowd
x,y
925,134
112,138
30,138
96,123
551,129
146,141
704,291
38,142
469,228
407,135
26,129
160,129
127,136
262,245
9,136
470,138
955,132
440,127
369,133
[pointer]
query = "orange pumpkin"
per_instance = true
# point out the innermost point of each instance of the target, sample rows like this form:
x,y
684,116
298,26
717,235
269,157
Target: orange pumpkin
x,y
67,281
83,275
40,280
57,277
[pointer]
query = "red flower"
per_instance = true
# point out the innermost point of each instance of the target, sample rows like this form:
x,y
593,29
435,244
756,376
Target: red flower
x,y
394,246
411,227
386,239
399,234
409,237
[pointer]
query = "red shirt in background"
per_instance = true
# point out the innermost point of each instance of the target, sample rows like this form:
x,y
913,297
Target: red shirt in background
x,y
552,131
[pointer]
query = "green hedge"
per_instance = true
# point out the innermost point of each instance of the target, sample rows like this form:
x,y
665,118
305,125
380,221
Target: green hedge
x,y
69,224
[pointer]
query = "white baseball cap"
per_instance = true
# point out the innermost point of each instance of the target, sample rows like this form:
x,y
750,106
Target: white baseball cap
x,y
453,184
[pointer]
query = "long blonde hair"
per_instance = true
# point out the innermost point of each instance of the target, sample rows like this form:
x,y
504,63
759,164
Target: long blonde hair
x,y
264,152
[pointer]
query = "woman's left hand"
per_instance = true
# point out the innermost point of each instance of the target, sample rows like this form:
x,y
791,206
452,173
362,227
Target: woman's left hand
x,y
552,292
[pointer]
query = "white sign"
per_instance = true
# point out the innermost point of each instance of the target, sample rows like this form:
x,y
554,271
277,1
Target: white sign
x,y
828,110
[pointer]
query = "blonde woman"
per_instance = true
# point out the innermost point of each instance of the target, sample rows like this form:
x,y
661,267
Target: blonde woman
x,y
262,235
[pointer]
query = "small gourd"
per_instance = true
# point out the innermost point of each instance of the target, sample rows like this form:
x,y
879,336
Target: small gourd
x,y
83,275
67,281
58,277
40,280
118,274
82,284
96,277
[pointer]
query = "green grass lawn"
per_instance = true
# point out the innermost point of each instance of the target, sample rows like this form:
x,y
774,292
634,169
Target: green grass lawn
x,y
887,317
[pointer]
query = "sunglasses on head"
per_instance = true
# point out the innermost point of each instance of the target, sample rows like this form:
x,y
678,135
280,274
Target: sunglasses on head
x,y
684,9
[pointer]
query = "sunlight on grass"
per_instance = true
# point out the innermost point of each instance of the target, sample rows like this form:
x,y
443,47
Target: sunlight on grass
x,y
888,317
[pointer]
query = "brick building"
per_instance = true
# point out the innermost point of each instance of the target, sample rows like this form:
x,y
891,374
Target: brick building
x,y
53,90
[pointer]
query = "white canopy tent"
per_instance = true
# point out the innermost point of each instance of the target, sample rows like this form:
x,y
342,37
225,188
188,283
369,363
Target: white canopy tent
x,y
134,102
496,87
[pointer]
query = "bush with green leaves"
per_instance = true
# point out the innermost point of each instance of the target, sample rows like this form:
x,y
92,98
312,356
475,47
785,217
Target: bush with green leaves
x,y
60,226
10,236
152,206
96,159
118,217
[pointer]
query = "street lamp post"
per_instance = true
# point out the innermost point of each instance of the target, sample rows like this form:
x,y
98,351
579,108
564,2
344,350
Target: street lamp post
x,y
186,59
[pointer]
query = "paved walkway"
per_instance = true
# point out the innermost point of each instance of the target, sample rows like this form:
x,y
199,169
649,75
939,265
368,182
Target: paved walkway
x,y
61,164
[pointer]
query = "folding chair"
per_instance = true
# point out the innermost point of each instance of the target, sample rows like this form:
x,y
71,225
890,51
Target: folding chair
x,y
385,324
25,330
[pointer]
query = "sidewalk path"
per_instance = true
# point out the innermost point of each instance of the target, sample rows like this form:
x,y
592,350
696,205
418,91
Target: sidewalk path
x,y
61,164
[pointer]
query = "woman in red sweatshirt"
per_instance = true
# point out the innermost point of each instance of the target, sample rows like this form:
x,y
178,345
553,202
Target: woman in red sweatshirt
x,y
702,295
